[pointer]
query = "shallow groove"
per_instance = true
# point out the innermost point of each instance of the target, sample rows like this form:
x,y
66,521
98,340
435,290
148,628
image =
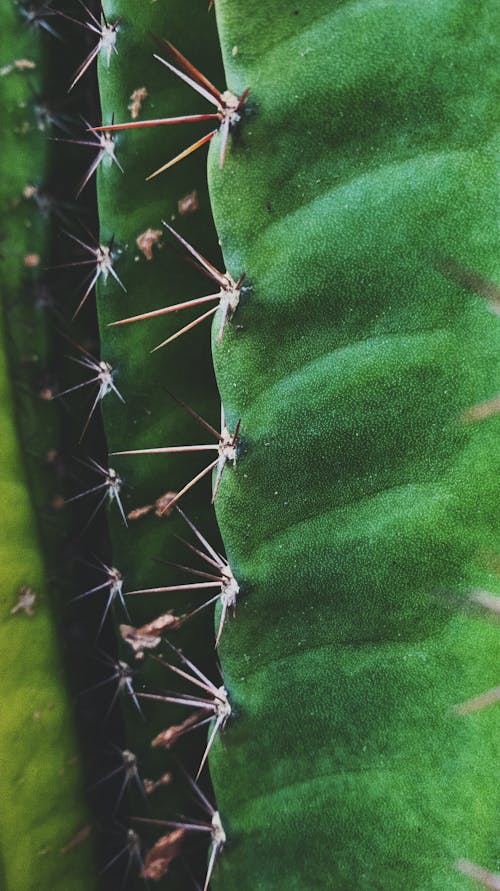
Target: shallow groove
x,y
341,190
380,645
293,377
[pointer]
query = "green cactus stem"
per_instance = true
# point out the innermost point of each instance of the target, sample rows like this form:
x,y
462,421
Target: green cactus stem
x,y
41,812
362,510
154,268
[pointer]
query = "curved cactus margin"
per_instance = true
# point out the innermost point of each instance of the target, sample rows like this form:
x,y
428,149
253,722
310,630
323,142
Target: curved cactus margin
x,y
359,198
43,817
154,276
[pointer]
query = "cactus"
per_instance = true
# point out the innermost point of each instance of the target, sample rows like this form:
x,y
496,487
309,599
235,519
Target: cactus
x,y
361,513
351,722
152,266
45,820
41,789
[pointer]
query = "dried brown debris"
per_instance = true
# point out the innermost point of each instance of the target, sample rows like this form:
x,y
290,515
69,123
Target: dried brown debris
x,y
17,65
147,240
25,601
167,738
148,637
188,203
162,855
151,786
136,100
160,507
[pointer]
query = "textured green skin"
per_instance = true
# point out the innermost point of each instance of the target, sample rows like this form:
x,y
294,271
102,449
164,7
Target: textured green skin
x,y
127,207
361,511
41,796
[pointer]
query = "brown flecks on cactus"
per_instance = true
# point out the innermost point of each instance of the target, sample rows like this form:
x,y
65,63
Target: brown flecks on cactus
x,y
188,204
485,878
147,240
151,786
149,636
139,512
483,700
17,65
162,854
167,738
213,826
57,503
164,505
136,99
46,393
31,260
483,411
25,601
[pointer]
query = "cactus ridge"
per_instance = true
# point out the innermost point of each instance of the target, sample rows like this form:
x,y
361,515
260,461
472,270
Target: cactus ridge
x,y
107,33
229,108
228,296
398,526
159,598
352,513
